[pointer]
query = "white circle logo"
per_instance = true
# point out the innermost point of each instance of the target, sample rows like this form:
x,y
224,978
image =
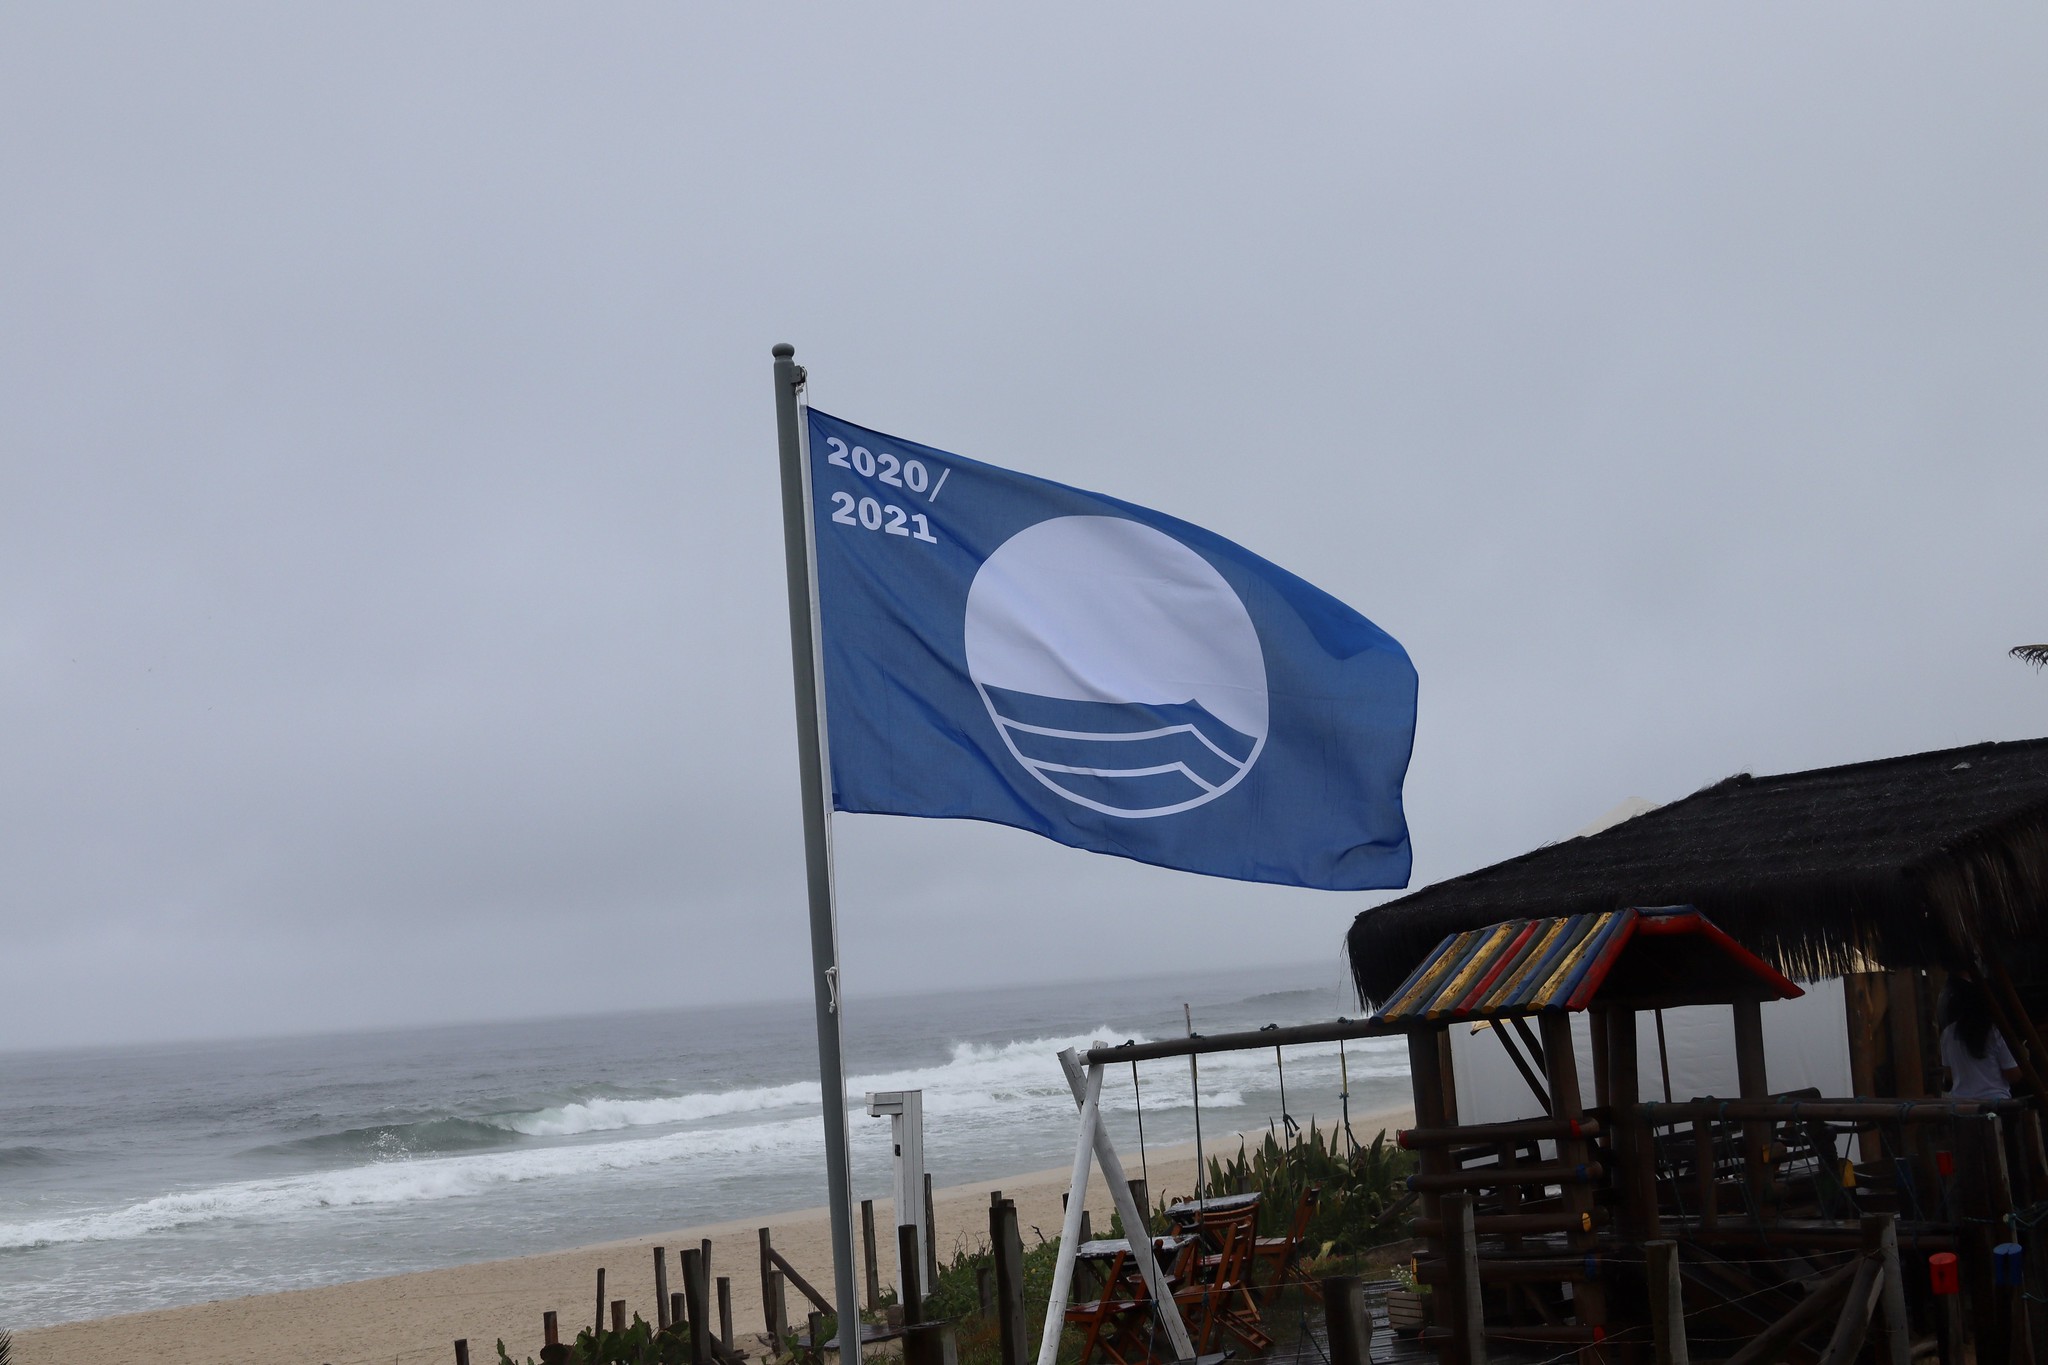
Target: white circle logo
x,y
1120,669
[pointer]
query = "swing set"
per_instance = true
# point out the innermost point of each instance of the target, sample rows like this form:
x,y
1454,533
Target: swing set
x,y
1209,1266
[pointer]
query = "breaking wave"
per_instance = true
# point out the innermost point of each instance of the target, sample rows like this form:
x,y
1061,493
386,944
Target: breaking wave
x,y
399,1141
452,1157
396,1182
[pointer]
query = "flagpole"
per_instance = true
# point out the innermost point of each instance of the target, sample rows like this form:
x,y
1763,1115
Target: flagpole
x,y
810,748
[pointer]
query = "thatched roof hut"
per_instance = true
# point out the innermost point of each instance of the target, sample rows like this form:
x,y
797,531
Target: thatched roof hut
x,y
1930,860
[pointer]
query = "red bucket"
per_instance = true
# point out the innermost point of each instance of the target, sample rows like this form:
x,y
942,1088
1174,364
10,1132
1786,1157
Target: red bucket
x,y
1941,1273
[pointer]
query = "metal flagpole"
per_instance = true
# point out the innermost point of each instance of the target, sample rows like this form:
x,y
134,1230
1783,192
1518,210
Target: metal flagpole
x,y
811,751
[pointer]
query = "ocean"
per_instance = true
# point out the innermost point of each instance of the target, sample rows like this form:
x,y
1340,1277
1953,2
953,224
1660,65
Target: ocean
x,y
150,1176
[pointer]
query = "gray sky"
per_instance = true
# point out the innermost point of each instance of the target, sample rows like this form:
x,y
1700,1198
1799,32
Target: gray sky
x,y
391,616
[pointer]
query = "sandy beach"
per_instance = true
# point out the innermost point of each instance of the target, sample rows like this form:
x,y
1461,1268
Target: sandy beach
x,y
413,1319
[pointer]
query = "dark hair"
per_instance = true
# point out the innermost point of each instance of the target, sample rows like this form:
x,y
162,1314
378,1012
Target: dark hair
x,y
1963,1004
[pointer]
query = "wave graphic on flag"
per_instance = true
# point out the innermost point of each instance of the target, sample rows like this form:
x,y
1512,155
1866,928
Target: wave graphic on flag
x,y
1122,758
1119,667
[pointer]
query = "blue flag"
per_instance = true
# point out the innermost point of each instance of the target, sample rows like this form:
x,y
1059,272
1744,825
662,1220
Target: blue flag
x,y
999,647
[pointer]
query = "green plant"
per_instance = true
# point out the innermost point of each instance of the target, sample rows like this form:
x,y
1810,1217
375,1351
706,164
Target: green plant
x,y
1358,1187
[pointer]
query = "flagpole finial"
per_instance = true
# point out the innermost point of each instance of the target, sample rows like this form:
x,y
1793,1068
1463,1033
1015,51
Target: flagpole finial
x,y
783,350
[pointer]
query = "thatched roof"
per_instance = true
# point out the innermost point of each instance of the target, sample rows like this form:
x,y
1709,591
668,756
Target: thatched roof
x,y
1930,859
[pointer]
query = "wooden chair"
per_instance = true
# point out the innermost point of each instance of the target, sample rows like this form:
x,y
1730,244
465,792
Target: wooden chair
x,y
1118,1323
1281,1256
1092,1317
1223,1301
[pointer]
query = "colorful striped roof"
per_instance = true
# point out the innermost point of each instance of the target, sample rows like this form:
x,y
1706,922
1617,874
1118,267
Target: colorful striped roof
x,y
1529,966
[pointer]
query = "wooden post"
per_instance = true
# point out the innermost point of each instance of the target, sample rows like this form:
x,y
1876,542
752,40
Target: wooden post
x,y
1431,1080
1468,1305
931,1236
1141,1195
1986,1198
778,1304
1448,1068
1705,1188
1881,1238
1632,1148
1863,1002
768,1288
462,1351
1753,1079
725,1311
676,1315
618,1315
1909,1066
550,1329
985,1290
1667,1305
697,1301
913,1287
1846,1342
1012,1331
1603,1059
597,1317
661,1288
867,1247
814,1327
1561,1072
1344,1314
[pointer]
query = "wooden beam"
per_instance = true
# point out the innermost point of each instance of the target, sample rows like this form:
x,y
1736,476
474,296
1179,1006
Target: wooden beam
x,y
1770,1344
1909,1060
1633,1151
1753,1080
1667,1305
1500,1031
1479,1134
1561,1071
1863,1006
1846,1342
1429,1078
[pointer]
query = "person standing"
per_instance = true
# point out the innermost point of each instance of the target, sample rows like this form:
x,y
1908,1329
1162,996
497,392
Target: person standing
x,y
1975,1057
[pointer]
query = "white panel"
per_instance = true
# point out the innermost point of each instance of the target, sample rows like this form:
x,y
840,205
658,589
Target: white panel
x,y
1806,1043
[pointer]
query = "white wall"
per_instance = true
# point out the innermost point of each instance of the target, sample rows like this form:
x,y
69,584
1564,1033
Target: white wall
x,y
1806,1043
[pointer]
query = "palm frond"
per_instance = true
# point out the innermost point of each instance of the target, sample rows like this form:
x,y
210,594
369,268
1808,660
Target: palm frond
x,y
2037,655
6,1347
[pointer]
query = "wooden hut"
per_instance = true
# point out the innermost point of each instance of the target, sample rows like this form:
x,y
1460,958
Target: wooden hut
x,y
1889,874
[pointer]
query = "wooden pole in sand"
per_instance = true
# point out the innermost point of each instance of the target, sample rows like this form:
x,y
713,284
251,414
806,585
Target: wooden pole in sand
x,y
725,1311
1008,1245
661,1289
697,1295
867,1244
618,1315
462,1351
597,1316
931,1234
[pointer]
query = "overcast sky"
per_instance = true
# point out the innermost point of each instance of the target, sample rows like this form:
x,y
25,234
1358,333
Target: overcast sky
x,y
391,609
